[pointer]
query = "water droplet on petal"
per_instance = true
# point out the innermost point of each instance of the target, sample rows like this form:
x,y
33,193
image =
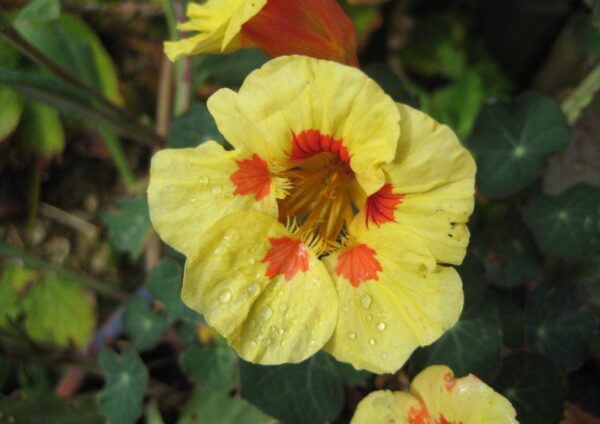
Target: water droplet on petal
x,y
283,307
215,189
351,335
365,301
253,289
225,296
230,234
253,343
220,250
267,313
381,326
251,261
311,342
203,180
372,342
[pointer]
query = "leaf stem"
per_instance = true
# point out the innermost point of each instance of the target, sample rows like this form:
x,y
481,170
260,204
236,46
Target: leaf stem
x,y
118,157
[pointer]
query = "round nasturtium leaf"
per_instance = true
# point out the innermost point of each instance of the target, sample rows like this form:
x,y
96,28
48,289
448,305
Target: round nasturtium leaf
x,y
511,141
304,393
534,387
144,326
559,327
568,225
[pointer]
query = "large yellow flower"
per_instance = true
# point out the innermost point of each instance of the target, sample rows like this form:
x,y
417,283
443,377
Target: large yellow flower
x,y
325,225
436,397
316,28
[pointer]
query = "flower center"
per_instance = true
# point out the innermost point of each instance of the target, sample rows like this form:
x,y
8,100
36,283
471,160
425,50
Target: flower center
x,y
320,198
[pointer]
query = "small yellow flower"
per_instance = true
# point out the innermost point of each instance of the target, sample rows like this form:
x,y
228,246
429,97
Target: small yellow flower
x,y
315,28
436,397
324,226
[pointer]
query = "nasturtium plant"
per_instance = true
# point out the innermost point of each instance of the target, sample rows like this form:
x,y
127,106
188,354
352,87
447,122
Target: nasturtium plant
x,y
129,228
144,326
512,140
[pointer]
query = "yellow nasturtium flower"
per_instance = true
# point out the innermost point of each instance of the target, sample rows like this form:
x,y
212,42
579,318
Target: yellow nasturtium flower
x,y
325,225
315,28
436,397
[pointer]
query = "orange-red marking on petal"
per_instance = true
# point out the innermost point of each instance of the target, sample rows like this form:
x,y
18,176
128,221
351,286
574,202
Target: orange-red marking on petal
x,y
286,256
312,142
449,380
252,177
419,415
443,420
357,264
381,205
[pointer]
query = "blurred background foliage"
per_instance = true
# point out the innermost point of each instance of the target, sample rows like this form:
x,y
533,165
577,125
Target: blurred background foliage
x,y
91,323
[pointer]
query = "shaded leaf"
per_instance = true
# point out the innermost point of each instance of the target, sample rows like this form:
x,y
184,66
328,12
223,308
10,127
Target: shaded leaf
x,y
567,225
350,375
39,11
558,326
129,228
193,128
14,284
213,365
42,131
10,113
512,321
144,327
126,382
533,386
164,283
228,70
472,345
308,392
60,312
218,407
42,408
391,83
512,140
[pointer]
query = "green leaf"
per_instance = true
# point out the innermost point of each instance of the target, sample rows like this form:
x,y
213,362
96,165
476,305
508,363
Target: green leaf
x,y
472,275
32,407
39,11
391,83
228,70
559,327
218,407
14,284
68,99
512,321
309,392
512,140
472,345
60,312
458,104
126,383
164,283
533,386
42,131
144,327
193,128
10,113
568,225
129,228
213,365
351,375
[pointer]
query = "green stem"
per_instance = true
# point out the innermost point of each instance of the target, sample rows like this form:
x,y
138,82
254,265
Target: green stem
x,y
174,12
582,95
28,260
118,156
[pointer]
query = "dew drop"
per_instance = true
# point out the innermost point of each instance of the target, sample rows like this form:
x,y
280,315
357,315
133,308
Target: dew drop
x,y
372,342
215,189
230,234
220,250
351,335
311,342
280,331
225,296
365,301
251,261
267,313
193,200
381,326
253,343
283,307
253,289
203,180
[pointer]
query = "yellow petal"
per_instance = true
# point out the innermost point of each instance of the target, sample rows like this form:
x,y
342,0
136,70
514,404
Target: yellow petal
x,y
446,396
191,189
410,303
436,177
386,407
266,318
293,94
219,24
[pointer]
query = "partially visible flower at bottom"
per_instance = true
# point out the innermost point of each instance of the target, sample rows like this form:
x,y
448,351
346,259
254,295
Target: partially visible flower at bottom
x,y
436,397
